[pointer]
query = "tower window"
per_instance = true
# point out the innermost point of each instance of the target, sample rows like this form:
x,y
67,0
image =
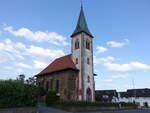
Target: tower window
x,y
77,44
88,61
88,44
76,60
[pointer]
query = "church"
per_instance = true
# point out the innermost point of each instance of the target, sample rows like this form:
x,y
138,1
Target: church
x,y
72,76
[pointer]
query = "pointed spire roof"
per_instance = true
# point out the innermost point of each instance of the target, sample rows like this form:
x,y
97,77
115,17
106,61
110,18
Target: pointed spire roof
x,y
81,25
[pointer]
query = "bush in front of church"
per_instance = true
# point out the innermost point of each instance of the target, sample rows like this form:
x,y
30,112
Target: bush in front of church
x,y
51,98
15,93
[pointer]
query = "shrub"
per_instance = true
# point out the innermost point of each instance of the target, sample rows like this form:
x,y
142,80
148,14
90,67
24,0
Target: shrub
x,y
14,93
51,98
42,91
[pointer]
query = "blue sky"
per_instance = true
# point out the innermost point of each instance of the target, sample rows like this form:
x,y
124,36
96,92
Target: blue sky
x,y
35,32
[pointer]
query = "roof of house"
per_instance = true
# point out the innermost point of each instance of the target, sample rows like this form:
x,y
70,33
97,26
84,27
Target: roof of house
x,y
59,64
136,93
82,25
103,94
109,93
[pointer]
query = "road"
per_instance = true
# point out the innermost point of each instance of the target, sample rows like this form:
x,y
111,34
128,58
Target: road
x,y
134,111
123,111
52,110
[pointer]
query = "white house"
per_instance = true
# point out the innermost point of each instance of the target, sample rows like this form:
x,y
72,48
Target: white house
x,y
138,96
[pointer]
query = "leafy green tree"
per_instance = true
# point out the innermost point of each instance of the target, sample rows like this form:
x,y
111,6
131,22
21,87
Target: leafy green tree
x,y
21,77
31,80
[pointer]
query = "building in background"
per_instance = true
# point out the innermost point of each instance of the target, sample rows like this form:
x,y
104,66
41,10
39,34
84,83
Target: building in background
x,y
72,76
138,96
106,95
141,97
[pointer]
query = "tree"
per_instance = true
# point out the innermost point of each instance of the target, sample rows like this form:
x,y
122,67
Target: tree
x,y
31,80
21,77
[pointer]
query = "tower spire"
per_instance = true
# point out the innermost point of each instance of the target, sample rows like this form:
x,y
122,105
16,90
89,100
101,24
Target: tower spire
x,y
81,24
81,3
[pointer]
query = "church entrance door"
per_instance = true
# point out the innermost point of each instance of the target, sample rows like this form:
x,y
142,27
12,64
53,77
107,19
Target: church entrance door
x,y
88,94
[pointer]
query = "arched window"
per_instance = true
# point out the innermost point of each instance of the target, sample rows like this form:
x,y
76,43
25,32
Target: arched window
x,y
88,44
76,60
88,78
57,86
51,84
76,44
47,85
88,61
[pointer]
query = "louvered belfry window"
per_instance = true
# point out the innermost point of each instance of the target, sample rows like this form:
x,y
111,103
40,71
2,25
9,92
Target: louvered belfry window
x,y
77,44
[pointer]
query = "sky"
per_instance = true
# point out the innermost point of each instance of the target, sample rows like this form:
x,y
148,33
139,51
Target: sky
x,y
35,32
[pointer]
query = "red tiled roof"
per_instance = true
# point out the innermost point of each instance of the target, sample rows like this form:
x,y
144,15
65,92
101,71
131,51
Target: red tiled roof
x,y
59,64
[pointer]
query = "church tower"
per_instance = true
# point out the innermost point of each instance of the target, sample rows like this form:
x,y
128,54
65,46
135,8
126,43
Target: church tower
x,y
82,56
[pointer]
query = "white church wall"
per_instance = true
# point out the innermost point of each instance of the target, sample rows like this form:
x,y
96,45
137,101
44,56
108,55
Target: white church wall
x,y
88,71
76,53
82,54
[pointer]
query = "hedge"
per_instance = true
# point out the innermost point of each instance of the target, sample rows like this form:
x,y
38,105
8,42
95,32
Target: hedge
x,y
14,93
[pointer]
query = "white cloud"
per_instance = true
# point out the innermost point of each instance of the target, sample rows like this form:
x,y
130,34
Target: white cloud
x,y
103,60
22,65
101,49
108,62
38,36
10,50
39,64
43,54
108,80
17,53
19,70
35,66
120,76
117,44
133,66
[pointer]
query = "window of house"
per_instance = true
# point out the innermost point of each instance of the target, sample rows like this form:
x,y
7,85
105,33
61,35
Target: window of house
x,y
51,86
76,60
47,85
88,78
57,86
88,44
77,44
88,61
